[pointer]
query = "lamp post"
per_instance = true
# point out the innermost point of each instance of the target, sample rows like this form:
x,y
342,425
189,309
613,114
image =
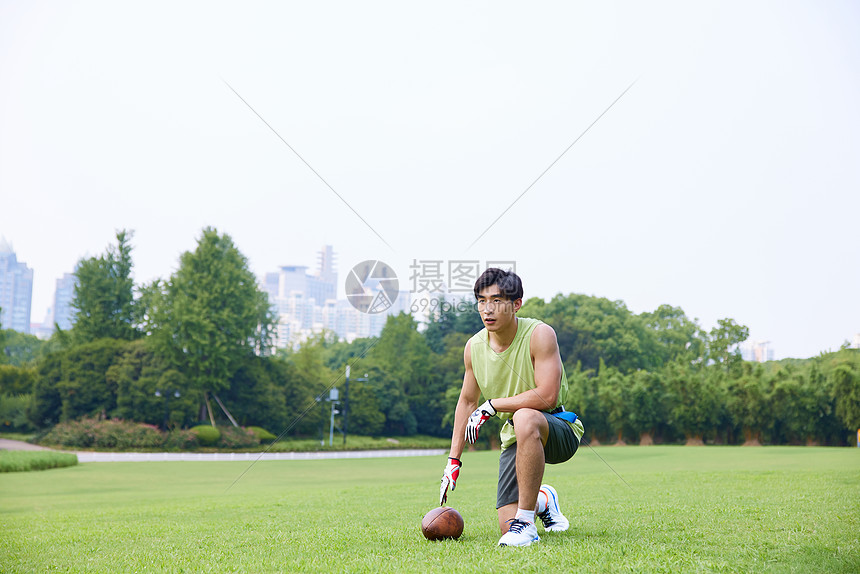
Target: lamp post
x,y
332,398
346,401
166,395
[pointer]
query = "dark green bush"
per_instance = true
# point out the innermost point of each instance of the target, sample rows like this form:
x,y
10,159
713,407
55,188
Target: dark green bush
x,y
13,412
237,437
262,434
207,435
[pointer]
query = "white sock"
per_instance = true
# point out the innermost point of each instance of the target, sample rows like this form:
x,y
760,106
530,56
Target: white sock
x,y
542,501
525,515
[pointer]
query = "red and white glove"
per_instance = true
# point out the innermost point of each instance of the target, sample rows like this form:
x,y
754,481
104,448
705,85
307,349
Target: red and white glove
x,y
477,419
449,478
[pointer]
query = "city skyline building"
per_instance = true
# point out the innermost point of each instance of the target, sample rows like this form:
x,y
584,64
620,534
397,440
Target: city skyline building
x,y
63,313
306,304
757,351
16,290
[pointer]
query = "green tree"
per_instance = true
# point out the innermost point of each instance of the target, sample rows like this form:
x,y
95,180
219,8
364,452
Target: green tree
x,y
46,405
339,353
84,388
411,394
747,403
724,340
646,405
613,393
146,387
584,398
365,412
815,410
695,400
460,317
16,387
13,413
72,383
21,349
104,295
307,381
258,393
677,336
210,316
846,395
590,329
446,335
17,380
451,369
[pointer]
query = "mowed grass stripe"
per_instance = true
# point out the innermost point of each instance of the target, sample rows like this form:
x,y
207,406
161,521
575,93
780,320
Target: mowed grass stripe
x,y
720,509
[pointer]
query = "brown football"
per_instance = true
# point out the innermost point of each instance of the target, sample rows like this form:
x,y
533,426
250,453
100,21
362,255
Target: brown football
x,y
442,523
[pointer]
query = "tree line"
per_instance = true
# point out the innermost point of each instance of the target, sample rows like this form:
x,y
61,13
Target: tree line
x,y
199,346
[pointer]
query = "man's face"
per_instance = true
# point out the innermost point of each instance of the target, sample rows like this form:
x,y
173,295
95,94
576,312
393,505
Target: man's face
x,y
496,311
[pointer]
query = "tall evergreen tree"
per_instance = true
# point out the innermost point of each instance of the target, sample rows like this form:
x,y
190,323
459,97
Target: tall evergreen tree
x,y
210,315
104,295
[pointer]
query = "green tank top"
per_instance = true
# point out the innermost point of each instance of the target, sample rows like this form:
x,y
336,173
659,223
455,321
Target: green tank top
x,y
510,372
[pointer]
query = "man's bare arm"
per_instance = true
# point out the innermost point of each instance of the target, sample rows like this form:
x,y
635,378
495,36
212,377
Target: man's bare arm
x,y
466,404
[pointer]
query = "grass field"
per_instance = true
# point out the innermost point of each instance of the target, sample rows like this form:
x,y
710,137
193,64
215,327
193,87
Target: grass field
x,y
691,509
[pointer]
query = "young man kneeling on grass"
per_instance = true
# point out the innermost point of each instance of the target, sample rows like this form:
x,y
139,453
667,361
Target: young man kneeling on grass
x,y
515,364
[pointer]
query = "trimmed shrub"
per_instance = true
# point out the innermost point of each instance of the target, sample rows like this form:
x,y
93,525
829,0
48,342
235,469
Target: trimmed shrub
x,y
264,436
25,460
104,434
181,440
207,435
237,437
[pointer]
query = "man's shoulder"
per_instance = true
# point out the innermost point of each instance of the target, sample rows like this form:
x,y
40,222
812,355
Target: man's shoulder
x,y
542,338
531,326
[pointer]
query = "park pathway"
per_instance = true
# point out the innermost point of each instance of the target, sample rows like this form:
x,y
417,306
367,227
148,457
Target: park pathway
x,y
9,444
85,456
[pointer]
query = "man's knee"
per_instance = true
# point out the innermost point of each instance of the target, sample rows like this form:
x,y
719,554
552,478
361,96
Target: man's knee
x,y
529,422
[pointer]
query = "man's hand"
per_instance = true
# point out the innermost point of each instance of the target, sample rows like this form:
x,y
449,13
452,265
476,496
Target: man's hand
x,y
477,419
449,478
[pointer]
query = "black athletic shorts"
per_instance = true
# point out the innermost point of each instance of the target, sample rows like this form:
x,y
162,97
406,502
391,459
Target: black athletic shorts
x,y
561,445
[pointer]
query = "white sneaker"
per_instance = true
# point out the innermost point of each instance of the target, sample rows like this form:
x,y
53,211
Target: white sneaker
x,y
552,518
520,533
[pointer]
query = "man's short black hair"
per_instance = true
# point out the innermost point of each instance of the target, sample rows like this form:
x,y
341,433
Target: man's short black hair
x,y
509,283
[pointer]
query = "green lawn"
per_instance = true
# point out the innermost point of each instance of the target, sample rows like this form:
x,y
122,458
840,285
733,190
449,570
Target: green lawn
x,y
692,509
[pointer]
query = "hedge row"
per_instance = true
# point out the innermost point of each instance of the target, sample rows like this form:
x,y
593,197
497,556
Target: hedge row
x,y
24,460
114,434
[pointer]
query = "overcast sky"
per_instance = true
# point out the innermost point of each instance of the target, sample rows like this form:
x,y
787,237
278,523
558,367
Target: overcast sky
x,y
725,181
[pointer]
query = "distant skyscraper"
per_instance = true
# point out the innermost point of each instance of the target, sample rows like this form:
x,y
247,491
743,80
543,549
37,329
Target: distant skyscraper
x,y
757,351
307,304
64,313
16,290
300,299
